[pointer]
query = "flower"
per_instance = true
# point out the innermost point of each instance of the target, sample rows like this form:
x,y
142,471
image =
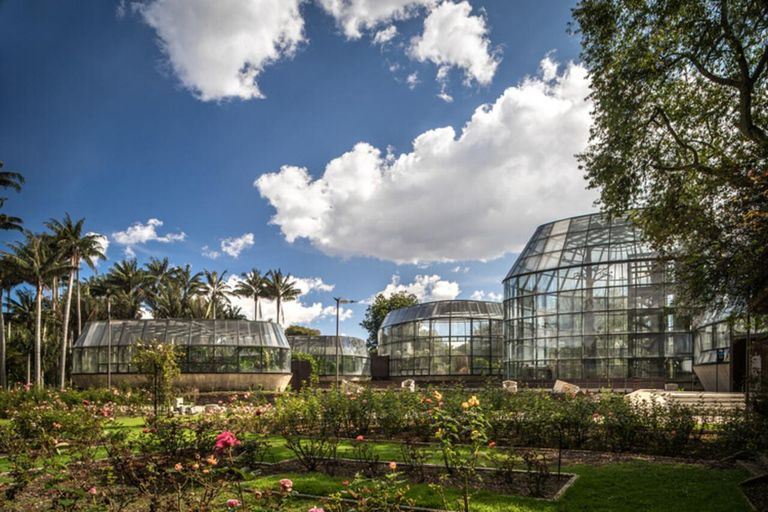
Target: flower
x,y
437,396
86,402
465,405
393,465
233,503
316,509
286,485
345,482
195,466
492,444
359,438
92,491
225,440
473,401
212,460
178,466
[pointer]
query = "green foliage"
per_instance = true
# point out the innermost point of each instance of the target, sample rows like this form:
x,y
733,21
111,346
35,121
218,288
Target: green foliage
x,y
158,363
314,367
679,136
388,494
300,330
376,312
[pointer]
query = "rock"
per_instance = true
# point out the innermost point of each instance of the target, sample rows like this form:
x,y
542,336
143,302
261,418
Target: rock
x,y
510,385
564,387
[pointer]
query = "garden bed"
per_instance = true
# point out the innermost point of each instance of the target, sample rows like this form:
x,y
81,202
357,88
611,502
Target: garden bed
x,y
521,483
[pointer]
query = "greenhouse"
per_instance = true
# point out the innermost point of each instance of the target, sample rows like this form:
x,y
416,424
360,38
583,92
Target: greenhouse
x,y
215,354
587,301
354,359
456,338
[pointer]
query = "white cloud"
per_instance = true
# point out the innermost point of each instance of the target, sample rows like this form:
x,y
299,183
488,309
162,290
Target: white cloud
x,y
426,288
209,253
445,97
412,80
356,16
218,49
234,246
477,196
103,243
296,311
385,35
453,37
481,295
139,234
459,268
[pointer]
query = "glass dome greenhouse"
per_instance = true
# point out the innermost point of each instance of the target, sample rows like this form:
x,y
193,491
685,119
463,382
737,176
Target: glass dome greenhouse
x,y
215,354
587,299
354,359
444,338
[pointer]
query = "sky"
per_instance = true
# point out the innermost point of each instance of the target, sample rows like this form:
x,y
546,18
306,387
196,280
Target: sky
x,y
364,146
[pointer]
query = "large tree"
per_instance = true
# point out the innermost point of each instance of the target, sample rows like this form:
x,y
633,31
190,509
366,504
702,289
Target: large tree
x,y
379,309
253,286
680,135
77,247
281,288
217,290
37,264
12,180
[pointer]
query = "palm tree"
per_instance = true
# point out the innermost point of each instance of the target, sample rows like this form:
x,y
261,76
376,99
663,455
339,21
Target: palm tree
x,y
281,288
129,283
76,247
190,286
21,311
253,285
9,179
217,290
9,278
8,222
37,264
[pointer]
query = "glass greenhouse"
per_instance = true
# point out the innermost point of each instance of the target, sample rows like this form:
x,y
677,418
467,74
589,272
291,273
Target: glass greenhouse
x,y
444,338
208,347
587,299
353,354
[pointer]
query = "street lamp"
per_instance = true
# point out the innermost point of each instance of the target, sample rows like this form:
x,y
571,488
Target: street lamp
x,y
339,300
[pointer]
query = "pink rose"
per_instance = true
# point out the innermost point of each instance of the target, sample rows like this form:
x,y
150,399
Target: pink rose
x,y
233,503
92,490
225,440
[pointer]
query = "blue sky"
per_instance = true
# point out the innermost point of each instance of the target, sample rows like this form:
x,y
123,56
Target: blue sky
x,y
363,145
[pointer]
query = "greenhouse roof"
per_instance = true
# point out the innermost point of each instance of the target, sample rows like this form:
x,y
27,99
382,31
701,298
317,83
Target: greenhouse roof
x,y
445,309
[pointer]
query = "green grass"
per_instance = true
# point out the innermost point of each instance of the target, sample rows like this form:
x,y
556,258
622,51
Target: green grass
x,y
619,487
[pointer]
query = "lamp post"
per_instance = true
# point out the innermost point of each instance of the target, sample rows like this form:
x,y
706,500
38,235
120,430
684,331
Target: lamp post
x,y
339,300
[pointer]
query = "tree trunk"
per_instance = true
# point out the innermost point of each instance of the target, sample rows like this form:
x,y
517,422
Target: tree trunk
x,y
29,367
277,302
255,307
3,376
65,335
79,315
38,333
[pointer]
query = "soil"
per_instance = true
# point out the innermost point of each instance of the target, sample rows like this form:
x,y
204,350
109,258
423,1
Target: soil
x,y
519,483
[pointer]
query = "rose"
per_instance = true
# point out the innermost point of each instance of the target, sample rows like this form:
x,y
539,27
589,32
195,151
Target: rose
x,y
316,509
393,466
359,438
233,503
92,491
225,440
286,485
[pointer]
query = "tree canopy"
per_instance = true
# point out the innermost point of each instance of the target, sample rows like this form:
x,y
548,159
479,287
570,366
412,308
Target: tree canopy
x,y
680,135
300,330
376,312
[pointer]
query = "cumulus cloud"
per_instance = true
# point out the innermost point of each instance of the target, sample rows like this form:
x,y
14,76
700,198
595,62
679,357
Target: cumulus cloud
x,y
385,35
234,246
475,196
219,49
452,37
481,295
425,288
297,311
210,253
412,80
139,234
356,16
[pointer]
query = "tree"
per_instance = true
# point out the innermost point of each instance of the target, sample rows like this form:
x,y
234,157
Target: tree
x,y
9,277
158,363
217,290
37,264
76,247
253,285
281,288
376,312
12,180
680,135
128,284
300,330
